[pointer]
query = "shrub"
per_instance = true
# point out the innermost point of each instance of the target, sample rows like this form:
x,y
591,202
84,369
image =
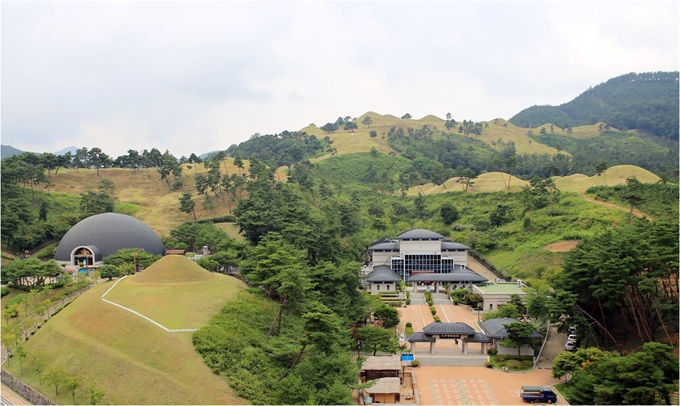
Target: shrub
x,y
513,364
16,300
488,364
409,324
4,291
433,310
408,301
415,363
437,319
493,351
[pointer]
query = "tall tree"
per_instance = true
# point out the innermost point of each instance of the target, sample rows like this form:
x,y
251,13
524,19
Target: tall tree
x,y
187,204
519,335
367,121
601,169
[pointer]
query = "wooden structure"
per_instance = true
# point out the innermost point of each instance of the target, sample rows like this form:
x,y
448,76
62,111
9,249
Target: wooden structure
x,y
386,366
386,390
175,252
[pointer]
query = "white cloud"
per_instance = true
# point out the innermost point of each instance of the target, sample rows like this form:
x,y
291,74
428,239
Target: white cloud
x,y
200,76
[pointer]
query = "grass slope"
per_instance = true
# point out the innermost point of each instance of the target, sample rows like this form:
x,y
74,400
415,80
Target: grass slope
x,y
579,183
176,292
134,361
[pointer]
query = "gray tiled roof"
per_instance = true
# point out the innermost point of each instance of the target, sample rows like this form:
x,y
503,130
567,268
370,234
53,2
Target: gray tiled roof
x,y
478,338
450,245
387,245
457,276
495,328
420,234
382,273
420,337
448,328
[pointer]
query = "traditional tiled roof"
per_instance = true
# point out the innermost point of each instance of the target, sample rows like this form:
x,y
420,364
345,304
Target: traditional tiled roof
x,y
495,328
420,337
382,273
478,338
386,246
457,276
451,245
448,328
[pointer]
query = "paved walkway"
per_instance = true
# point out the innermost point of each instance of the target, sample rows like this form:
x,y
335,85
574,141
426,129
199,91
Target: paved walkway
x,y
440,385
418,313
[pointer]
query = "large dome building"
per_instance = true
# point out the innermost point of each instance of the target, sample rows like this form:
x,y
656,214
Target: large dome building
x,y
98,236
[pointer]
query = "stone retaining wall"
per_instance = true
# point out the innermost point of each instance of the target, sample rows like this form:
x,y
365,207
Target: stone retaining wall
x,y
33,396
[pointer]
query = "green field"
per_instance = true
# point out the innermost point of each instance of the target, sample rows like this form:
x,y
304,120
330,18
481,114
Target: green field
x,y
127,355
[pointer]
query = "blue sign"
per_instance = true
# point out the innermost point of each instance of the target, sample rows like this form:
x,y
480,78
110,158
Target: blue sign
x,y
407,357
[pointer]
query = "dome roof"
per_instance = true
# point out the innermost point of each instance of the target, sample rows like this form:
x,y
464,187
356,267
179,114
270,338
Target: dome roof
x,y
109,232
420,234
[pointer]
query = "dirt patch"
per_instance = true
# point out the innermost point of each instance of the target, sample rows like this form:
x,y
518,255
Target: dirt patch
x,y
561,246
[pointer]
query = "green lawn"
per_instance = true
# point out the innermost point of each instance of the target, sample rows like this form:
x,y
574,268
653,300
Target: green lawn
x,y
135,361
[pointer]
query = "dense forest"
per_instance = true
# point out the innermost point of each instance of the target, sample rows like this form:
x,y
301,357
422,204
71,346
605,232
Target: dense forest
x,y
647,102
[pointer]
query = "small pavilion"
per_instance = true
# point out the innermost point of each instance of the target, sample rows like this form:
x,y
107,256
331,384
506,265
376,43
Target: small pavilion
x,y
456,331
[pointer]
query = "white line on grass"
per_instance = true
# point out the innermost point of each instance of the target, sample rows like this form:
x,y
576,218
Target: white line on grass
x,y
141,315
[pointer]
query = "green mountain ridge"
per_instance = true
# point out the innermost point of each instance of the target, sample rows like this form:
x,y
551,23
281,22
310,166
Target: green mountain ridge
x,y
646,102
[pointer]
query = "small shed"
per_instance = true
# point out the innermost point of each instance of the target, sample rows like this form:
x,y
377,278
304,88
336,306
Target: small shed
x,y
376,367
386,390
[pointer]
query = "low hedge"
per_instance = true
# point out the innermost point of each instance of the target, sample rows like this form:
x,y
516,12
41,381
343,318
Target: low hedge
x,y
4,291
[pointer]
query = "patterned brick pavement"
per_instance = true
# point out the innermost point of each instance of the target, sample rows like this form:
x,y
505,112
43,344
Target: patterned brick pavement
x,y
462,392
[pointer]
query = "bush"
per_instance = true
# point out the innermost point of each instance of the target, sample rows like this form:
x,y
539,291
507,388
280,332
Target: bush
x,y
433,310
415,363
4,291
437,319
408,301
409,324
488,364
513,364
493,351
16,300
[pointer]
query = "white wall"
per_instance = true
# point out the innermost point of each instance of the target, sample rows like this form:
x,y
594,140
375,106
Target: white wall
x,y
382,258
420,247
460,257
513,351
382,287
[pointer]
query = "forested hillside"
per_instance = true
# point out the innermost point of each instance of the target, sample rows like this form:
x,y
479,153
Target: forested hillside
x,y
647,102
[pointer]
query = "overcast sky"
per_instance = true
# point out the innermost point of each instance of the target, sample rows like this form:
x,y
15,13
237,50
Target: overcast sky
x,y
201,76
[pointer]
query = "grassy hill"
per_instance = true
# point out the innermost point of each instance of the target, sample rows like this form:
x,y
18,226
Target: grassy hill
x,y
579,183
126,354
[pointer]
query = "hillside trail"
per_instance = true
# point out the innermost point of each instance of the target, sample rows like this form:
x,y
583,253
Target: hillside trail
x,y
636,212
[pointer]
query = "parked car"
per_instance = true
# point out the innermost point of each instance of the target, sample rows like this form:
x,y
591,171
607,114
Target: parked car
x,y
570,346
572,337
572,329
541,394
